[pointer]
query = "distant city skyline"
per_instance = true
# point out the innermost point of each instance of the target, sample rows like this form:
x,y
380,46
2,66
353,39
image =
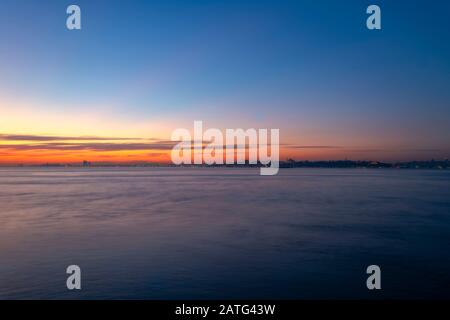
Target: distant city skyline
x,y
116,89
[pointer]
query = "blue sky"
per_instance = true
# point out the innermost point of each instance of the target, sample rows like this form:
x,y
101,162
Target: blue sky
x,y
311,68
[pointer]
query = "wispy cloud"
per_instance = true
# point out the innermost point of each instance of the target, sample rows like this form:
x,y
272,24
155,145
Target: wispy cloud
x,y
81,143
312,147
91,146
15,137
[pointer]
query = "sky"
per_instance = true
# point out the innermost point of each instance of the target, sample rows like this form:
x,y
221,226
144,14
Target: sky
x,y
137,70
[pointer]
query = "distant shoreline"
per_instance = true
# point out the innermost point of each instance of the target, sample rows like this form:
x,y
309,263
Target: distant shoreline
x,y
336,164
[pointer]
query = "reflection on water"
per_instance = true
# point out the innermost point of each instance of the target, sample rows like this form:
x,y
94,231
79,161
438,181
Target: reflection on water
x,y
164,233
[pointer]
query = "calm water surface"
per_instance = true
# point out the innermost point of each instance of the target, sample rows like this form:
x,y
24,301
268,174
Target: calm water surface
x,y
169,233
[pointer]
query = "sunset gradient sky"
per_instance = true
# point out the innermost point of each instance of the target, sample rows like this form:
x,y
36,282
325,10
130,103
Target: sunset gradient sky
x,y
115,90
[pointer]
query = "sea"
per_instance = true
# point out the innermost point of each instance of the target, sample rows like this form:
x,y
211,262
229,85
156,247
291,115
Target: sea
x,y
224,233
